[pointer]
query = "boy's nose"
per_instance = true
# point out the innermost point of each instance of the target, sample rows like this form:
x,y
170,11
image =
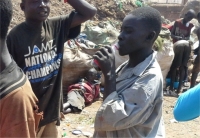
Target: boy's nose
x,y
120,37
43,3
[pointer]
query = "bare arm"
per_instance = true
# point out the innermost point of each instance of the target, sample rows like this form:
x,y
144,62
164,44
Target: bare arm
x,y
106,62
84,10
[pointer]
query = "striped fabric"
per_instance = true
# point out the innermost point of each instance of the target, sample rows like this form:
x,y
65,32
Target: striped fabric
x,y
11,78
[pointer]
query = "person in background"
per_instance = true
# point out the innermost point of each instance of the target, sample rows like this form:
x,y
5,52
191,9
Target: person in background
x,y
182,51
182,27
84,92
196,67
133,94
19,115
181,31
37,46
187,106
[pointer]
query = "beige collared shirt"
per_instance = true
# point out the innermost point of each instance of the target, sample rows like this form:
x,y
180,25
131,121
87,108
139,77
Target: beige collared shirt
x,y
135,108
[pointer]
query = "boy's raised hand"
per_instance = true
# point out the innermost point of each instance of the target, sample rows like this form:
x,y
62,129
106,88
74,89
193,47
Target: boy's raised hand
x,y
106,60
84,11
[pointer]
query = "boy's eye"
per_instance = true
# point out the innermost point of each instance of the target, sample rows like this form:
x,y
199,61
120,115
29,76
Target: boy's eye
x,y
128,30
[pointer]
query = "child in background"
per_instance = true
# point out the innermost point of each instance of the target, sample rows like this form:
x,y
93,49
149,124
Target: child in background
x,y
84,92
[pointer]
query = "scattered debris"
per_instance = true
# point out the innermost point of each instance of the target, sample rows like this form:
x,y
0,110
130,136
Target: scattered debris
x,y
173,121
88,134
76,132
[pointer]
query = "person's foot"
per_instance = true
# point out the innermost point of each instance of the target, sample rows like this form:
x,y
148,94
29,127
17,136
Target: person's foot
x,y
172,93
179,90
186,84
66,105
166,93
68,110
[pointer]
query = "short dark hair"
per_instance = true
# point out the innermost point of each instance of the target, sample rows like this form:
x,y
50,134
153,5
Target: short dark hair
x,y
150,17
5,17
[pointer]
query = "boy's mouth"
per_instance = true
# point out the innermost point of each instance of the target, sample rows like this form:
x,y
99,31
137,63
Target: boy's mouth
x,y
44,13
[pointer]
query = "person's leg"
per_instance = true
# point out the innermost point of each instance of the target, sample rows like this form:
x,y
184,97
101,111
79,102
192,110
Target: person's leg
x,y
66,105
193,79
178,51
40,131
171,89
68,110
49,131
185,79
185,59
182,74
173,75
195,71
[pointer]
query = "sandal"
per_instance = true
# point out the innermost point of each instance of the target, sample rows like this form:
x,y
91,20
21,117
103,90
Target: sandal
x,y
173,94
186,84
166,93
170,93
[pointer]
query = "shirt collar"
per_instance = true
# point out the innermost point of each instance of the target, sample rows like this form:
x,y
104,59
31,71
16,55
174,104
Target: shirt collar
x,y
140,68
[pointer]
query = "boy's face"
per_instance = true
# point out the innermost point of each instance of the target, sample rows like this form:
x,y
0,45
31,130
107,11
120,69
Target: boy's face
x,y
132,36
188,17
94,75
36,9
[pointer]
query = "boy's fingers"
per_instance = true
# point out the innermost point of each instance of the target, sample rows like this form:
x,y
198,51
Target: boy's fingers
x,y
109,49
104,51
99,54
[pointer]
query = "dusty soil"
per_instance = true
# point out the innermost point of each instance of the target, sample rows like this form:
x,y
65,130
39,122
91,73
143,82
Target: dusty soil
x,y
84,121
106,9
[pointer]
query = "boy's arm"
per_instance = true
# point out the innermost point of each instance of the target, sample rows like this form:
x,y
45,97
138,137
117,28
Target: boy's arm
x,y
84,11
106,62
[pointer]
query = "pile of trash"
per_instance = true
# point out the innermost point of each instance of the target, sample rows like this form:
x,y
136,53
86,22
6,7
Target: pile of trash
x,y
164,46
94,35
78,52
112,9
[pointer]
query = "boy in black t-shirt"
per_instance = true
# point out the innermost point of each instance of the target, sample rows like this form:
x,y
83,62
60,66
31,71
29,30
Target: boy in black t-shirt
x,y
16,95
37,46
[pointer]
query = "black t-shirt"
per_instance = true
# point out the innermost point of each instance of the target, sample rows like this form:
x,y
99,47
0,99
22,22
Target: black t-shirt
x,y
40,54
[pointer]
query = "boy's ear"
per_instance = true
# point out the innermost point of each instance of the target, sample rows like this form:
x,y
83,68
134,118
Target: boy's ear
x,y
22,6
151,36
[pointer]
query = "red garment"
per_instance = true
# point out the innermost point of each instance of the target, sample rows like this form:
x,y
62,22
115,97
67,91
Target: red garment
x,y
168,26
181,29
91,90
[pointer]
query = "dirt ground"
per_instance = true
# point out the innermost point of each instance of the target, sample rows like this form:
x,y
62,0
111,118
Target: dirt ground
x,y
85,120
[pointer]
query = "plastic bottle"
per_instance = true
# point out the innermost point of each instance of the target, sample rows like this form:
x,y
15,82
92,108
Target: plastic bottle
x,y
94,63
